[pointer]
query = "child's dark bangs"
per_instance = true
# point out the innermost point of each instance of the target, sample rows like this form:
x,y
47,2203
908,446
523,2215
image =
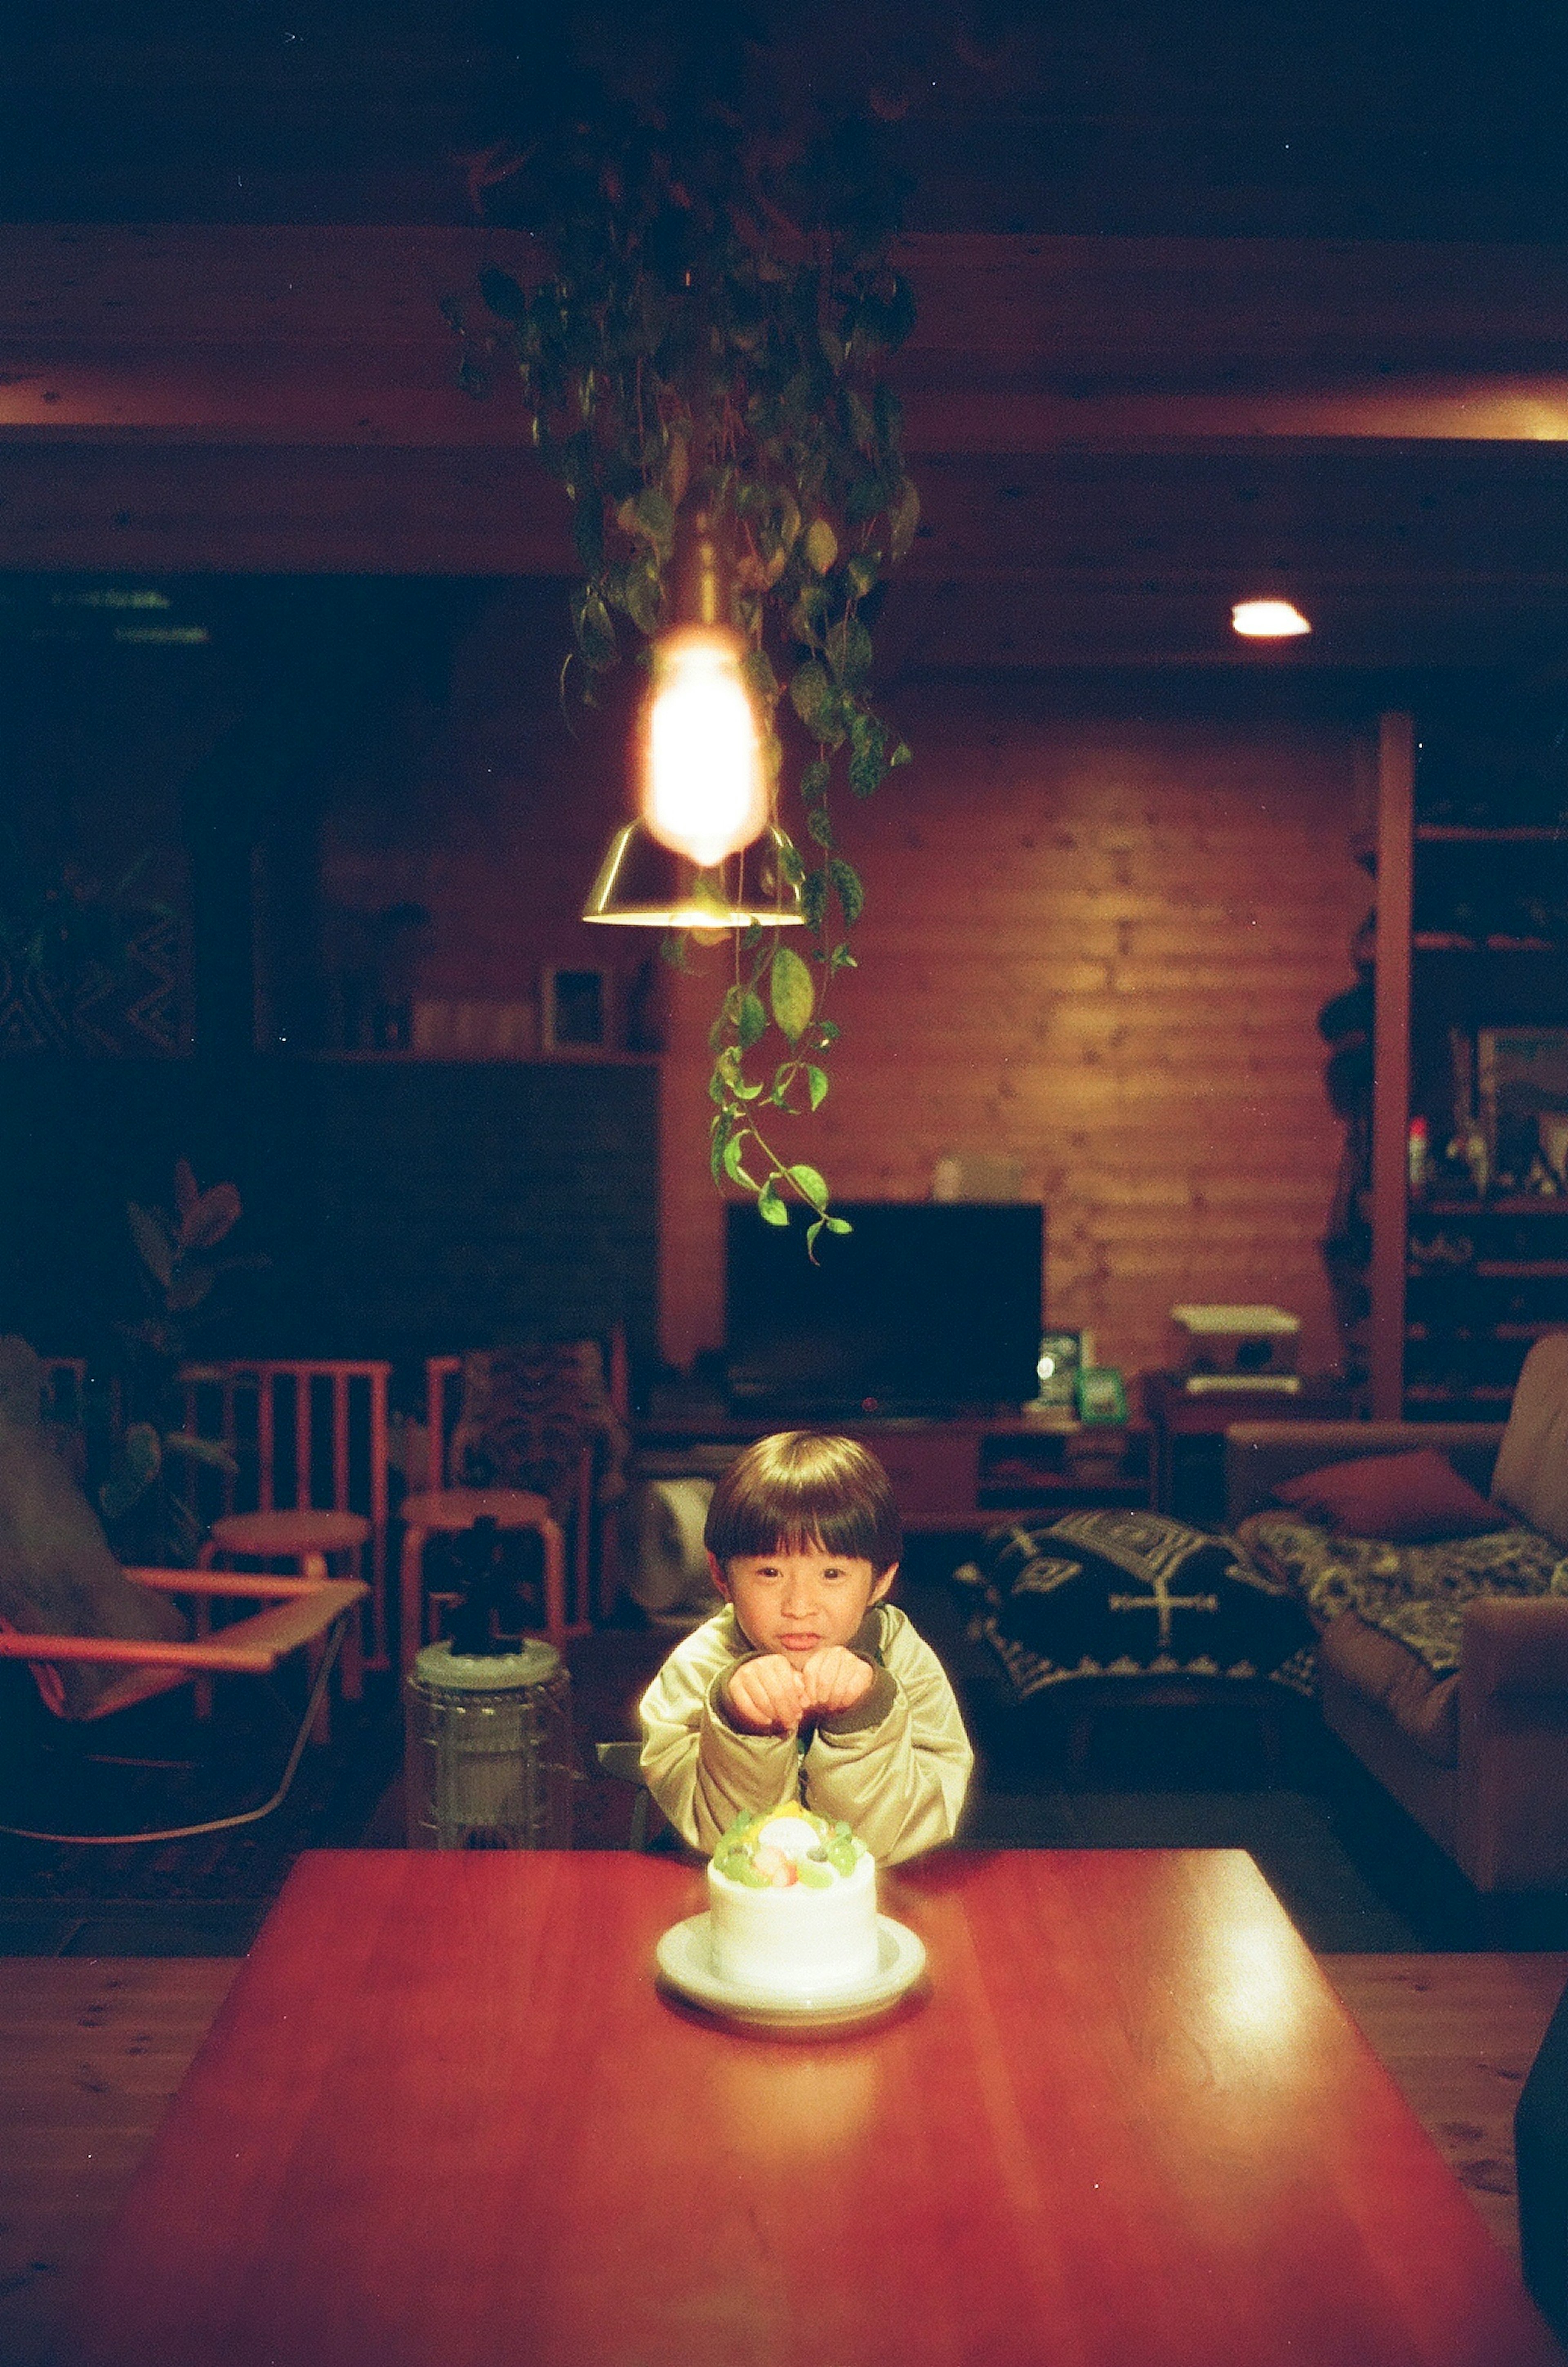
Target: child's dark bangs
x,y
813,1519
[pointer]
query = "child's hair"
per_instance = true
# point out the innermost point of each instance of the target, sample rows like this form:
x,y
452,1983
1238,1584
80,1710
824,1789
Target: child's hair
x,y
803,1489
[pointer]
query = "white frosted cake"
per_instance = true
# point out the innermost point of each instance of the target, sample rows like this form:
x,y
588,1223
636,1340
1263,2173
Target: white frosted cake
x,y
792,1905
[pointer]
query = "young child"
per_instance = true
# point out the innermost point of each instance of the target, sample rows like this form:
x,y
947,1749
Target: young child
x,y
808,1685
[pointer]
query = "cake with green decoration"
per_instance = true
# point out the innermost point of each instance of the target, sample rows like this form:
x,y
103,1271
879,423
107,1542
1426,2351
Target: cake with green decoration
x,y
792,1905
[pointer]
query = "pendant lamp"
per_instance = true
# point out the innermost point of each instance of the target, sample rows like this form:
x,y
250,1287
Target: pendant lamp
x,y
642,885
701,776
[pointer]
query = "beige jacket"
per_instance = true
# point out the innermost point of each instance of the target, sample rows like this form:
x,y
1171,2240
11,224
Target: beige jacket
x,y
895,1766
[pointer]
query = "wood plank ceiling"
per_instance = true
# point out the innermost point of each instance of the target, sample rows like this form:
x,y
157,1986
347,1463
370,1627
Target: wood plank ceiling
x,y
1114,435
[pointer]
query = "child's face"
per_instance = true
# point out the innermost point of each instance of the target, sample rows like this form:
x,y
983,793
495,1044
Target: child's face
x,y
798,1602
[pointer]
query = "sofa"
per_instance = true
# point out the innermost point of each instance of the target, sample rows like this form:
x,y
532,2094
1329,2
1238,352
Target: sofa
x,y
1442,1657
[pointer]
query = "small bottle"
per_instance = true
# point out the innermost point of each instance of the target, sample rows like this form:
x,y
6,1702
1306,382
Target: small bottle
x,y
1419,1159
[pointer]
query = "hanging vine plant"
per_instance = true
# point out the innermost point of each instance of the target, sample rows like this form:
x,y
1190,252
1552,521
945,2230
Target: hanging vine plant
x,y
709,336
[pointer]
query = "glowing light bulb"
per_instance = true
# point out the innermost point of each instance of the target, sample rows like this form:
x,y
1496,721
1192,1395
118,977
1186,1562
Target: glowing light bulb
x,y
704,793
1268,620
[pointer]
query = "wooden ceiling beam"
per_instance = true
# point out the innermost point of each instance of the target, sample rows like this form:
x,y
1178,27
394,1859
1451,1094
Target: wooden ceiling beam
x,y
1023,346
409,394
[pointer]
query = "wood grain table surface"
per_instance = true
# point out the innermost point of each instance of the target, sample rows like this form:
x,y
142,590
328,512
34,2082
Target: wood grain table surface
x,y
445,2118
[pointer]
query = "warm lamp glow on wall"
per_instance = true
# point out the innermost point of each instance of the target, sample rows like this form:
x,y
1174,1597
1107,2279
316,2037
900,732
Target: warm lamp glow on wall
x,y
1268,620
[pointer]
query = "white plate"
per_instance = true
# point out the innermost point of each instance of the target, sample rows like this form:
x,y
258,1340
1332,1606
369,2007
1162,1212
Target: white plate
x,y
685,1959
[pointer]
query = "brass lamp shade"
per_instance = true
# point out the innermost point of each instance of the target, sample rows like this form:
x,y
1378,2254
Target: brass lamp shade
x,y
642,885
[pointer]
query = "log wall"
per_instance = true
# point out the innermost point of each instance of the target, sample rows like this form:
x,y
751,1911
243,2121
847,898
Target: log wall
x,y
1097,945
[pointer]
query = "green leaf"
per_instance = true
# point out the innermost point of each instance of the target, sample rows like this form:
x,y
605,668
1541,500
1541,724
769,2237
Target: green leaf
x,y
821,546
868,737
899,316
820,828
594,627
889,416
813,781
655,518
503,294
812,1231
827,1031
643,603
810,1185
210,1216
848,889
806,618
189,1285
902,754
814,898
861,571
791,992
150,1231
734,1152
905,517
770,1207
849,650
841,959
811,695
866,769
757,673
817,1085
752,1020
865,497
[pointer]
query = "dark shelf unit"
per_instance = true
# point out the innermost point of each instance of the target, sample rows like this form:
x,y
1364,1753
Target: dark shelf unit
x,y
1471,932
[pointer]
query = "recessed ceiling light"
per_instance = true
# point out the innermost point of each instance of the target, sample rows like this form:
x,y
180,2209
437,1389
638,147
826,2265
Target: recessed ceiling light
x,y
1268,620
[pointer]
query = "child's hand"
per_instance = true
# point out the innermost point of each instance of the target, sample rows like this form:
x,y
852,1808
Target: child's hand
x,y
766,1696
835,1679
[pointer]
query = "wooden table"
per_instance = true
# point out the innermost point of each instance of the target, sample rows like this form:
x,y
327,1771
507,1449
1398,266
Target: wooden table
x,y
444,2119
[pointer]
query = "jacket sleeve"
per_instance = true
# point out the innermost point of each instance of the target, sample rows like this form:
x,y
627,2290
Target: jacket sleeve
x,y
702,1770
900,1783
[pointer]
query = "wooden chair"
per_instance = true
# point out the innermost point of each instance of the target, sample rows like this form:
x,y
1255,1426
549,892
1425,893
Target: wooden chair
x,y
310,1613
309,1438
590,1532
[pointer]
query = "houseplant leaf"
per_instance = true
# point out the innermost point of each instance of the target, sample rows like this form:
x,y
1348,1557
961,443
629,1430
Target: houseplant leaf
x,y
791,992
154,1243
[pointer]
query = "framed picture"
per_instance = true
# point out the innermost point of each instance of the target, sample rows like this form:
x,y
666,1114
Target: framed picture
x,y
574,1010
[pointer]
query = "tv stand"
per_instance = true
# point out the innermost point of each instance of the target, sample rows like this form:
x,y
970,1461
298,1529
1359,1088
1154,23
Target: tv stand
x,y
964,1472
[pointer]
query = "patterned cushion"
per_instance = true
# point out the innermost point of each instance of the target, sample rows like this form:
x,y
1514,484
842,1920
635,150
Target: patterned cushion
x,y
1415,1593
1119,1593
527,1414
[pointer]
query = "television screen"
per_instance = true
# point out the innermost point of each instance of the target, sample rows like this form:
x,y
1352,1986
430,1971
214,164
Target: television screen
x,y
926,1308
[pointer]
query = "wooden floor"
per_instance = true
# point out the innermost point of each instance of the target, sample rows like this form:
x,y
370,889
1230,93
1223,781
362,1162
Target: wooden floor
x,y
91,2051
